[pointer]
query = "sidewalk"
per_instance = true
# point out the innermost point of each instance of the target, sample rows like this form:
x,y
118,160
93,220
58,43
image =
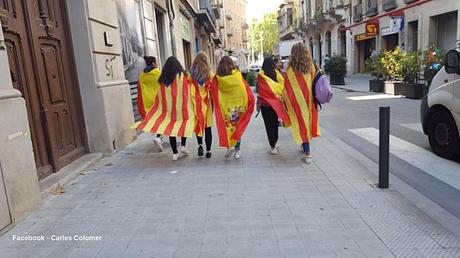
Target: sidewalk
x,y
144,205
356,82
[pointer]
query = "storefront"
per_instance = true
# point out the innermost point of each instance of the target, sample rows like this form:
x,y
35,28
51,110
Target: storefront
x,y
390,34
365,44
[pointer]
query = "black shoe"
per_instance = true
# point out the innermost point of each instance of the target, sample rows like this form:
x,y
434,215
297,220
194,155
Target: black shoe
x,y
208,154
200,151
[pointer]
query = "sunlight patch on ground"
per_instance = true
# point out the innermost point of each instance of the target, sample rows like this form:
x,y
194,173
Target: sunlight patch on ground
x,y
374,97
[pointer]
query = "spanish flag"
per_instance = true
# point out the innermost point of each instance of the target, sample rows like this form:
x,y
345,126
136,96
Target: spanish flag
x,y
147,90
234,104
201,98
172,113
301,108
272,92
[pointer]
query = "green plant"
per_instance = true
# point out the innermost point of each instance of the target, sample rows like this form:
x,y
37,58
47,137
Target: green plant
x,y
336,65
393,64
373,66
411,66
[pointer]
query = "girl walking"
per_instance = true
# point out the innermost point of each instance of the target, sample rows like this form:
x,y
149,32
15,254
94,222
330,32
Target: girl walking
x,y
299,99
233,103
201,78
172,113
270,103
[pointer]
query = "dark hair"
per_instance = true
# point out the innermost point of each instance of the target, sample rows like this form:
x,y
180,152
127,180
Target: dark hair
x,y
276,59
171,69
226,66
269,68
150,60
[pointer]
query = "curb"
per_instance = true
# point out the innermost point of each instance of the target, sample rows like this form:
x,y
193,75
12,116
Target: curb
x,y
348,89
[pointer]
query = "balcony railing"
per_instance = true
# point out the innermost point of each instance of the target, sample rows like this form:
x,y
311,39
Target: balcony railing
x,y
357,12
230,32
389,5
206,5
229,17
244,25
372,8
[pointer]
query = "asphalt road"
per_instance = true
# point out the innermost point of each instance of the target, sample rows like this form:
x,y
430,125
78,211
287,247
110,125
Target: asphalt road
x,y
344,114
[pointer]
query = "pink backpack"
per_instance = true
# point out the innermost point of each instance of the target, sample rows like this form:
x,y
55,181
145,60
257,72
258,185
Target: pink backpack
x,y
322,90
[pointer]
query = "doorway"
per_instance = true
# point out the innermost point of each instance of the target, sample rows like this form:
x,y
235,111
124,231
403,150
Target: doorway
x,y
160,19
187,54
42,67
390,41
5,218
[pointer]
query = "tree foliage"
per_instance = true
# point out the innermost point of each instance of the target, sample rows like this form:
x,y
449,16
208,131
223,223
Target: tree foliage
x,y
267,29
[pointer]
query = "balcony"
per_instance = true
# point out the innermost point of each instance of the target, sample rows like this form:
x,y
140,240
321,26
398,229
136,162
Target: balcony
x,y
216,9
244,25
409,1
245,39
230,32
205,14
389,5
229,17
358,13
372,8
287,33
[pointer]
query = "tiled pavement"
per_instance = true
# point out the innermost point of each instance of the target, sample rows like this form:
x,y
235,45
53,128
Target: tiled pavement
x,y
144,205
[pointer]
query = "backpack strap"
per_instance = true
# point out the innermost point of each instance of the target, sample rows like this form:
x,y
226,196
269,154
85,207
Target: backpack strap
x,y
315,75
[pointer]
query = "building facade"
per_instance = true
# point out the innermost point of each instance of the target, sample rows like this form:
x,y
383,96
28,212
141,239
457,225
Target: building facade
x,y
69,73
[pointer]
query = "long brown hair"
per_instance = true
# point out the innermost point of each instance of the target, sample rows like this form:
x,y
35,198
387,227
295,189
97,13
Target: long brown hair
x,y
226,66
300,59
200,68
171,69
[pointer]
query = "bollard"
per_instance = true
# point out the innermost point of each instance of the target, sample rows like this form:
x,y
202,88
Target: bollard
x,y
384,147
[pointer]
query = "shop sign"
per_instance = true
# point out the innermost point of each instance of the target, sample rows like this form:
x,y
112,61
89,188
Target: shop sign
x,y
185,27
372,28
396,26
362,37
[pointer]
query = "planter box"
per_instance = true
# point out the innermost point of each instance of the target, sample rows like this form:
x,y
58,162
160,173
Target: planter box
x,y
337,79
414,90
377,85
394,88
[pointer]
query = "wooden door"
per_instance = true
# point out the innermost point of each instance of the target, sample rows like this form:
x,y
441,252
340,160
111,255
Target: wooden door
x,y
43,69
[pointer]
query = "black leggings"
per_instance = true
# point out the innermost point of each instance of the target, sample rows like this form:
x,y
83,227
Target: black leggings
x,y
173,142
271,124
208,138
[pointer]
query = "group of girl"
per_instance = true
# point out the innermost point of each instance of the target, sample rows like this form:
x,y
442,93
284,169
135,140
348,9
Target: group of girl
x,y
180,103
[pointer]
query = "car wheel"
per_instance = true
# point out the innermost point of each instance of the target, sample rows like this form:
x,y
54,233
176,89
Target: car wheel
x,y
443,135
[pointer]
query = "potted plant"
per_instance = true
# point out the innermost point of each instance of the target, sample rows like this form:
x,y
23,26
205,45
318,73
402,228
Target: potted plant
x,y
373,66
393,67
336,67
411,71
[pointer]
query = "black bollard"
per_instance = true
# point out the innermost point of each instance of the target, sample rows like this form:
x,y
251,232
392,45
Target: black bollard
x,y
384,147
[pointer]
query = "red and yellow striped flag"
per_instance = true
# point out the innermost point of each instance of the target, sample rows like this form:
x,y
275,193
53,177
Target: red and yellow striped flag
x,y
147,90
272,92
202,102
233,105
172,113
302,110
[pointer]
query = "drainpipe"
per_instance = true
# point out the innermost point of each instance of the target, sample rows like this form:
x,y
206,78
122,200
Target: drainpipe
x,y
172,16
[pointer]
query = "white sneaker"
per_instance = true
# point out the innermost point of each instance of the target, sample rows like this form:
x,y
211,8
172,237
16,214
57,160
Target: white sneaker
x,y
159,142
176,156
229,153
307,159
184,151
273,151
238,154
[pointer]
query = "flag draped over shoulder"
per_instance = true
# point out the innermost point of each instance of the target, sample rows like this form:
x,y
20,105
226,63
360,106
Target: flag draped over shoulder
x,y
233,106
201,98
147,90
272,92
301,108
172,113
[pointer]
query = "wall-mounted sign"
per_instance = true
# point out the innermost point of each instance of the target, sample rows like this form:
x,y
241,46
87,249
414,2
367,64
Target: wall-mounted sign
x,y
185,27
396,25
363,36
372,28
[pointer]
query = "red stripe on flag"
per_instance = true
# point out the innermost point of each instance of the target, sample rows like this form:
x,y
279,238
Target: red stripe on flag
x,y
185,117
266,93
199,109
164,108
296,107
221,130
246,117
140,101
303,86
150,114
173,120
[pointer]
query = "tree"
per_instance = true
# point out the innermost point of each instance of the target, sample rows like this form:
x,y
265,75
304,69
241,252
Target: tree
x,y
265,30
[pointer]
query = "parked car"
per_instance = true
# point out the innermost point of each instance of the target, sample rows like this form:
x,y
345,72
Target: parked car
x,y
440,109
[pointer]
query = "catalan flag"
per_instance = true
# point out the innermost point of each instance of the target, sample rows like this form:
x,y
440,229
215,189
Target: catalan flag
x,y
172,113
201,98
233,106
303,113
272,92
147,90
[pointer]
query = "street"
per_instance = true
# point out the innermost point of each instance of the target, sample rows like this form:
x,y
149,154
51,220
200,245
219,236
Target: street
x,y
138,203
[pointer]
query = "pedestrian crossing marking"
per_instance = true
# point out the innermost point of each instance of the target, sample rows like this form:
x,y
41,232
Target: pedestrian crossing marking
x,y
414,126
442,169
374,97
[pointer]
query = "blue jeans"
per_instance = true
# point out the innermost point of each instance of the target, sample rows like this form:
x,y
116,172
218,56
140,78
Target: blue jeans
x,y
238,145
306,147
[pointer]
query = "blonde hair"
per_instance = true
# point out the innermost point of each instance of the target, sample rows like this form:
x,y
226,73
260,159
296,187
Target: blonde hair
x,y
200,68
300,59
